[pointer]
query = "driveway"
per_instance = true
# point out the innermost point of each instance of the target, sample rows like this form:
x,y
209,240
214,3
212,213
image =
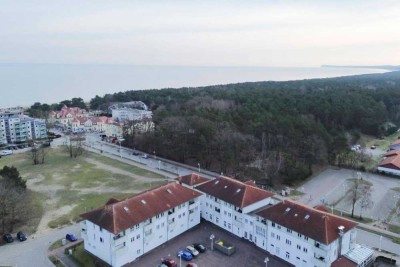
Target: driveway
x,y
33,252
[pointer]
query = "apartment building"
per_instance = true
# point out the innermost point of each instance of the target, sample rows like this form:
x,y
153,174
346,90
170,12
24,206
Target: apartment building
x,y
229,204
15,127
122,231
303,236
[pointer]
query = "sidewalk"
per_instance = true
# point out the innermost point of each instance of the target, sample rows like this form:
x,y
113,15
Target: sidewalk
x,y
59,253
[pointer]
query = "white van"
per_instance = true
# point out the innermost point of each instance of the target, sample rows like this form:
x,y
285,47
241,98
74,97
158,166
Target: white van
x,y
5,152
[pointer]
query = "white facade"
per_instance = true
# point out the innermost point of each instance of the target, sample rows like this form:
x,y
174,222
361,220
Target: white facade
x,y
389,170
126,246
130,114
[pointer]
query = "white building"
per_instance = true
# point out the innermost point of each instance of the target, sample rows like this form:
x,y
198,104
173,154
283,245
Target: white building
x,y
15,127
130,114
390,163
304,236
229,203
121,231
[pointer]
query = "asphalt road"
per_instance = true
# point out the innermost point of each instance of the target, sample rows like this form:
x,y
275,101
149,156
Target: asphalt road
x,y
377,242
33,252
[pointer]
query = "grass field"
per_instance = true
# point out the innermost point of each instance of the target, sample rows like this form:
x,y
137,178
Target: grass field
x,y
63,187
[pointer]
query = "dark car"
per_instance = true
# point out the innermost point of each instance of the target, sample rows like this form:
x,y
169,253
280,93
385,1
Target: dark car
x,y
199,247
71,237
8,238
186,255
169,263
22,236
135,153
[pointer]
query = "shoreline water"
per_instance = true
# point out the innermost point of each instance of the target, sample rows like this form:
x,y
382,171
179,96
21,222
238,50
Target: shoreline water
x,y
24,84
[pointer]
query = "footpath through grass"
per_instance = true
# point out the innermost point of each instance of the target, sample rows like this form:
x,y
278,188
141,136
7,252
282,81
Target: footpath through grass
x,y
68,187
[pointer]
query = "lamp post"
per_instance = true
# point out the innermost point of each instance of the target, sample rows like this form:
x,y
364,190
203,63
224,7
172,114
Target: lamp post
x,y
380,243
159,164
120,142
198,164
212,236
266,261
180,260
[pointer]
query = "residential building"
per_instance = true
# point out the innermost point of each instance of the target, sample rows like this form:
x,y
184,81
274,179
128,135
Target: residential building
x,y
15,127
395,145
122,231
229,203
66,115
304,236
390,163
88,124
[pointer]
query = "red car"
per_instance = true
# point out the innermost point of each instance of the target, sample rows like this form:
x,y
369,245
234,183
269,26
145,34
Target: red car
x,y
169,263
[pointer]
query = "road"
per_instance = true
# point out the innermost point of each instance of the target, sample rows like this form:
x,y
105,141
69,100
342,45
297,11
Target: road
x,y
377,242
33,252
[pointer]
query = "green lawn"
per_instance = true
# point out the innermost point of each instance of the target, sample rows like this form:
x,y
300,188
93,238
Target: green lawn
x,y
63,181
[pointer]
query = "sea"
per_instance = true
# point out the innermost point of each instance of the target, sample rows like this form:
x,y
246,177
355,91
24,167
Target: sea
x,y
24,84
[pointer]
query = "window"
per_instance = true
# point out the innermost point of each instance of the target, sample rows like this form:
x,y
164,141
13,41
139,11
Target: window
x,y
298,247
305,250
298,234
273,224
306,238
288,242
287,255
278,237
272,234
101,240
101,229
132,239
288,230
138,236
138,251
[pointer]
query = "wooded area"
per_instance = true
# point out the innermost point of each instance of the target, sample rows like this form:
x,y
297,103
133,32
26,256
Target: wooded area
x,y
266,130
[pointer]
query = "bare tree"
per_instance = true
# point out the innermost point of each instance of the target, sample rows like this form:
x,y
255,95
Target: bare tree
x,y
366,199
74,144
38,153
360,191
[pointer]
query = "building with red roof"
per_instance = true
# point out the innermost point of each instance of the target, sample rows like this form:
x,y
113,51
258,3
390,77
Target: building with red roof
x,y
122,231
390,163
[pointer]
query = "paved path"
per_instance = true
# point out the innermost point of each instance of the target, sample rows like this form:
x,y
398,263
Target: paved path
x,y
34,251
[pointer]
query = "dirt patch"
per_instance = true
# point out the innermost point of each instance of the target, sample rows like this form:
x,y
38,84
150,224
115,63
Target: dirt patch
x,y
52,215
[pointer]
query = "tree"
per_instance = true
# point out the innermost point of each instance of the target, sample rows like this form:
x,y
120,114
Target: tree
x,y
14,199
38,153
74,144
366,198
360,191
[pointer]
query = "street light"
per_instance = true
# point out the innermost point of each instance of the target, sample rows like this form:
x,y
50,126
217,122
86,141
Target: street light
x,y
380,243
266,261
212,236
120,141
180,260
159,164
198,164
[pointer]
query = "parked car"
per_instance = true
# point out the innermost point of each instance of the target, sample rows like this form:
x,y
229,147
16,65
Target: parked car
x,y
199,247
22,236
145,156
192,251
373,147
191,264
186,255
8,238
135,153
169,263
71,237
6,152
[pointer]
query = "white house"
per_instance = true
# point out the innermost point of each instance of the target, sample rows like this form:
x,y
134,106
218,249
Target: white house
x,y
228,203
390,163
305,236
123,230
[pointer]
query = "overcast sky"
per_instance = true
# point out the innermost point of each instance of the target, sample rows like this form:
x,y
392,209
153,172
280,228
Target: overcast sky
x,y
201,33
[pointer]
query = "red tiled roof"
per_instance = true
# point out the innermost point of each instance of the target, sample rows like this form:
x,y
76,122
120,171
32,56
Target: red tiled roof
x,y
192,179
343,262
321,208
118,216
392,160
318,225
233,191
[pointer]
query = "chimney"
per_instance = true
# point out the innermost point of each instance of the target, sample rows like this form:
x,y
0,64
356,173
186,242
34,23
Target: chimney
x,y
341,233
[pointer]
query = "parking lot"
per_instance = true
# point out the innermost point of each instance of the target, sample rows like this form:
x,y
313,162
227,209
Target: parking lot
x,y
247,254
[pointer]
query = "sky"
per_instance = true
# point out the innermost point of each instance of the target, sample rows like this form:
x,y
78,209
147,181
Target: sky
x,y
294,33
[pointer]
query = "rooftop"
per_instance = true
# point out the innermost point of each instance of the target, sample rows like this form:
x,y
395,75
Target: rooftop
x,y
234,192
318,225
192,179
117,216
